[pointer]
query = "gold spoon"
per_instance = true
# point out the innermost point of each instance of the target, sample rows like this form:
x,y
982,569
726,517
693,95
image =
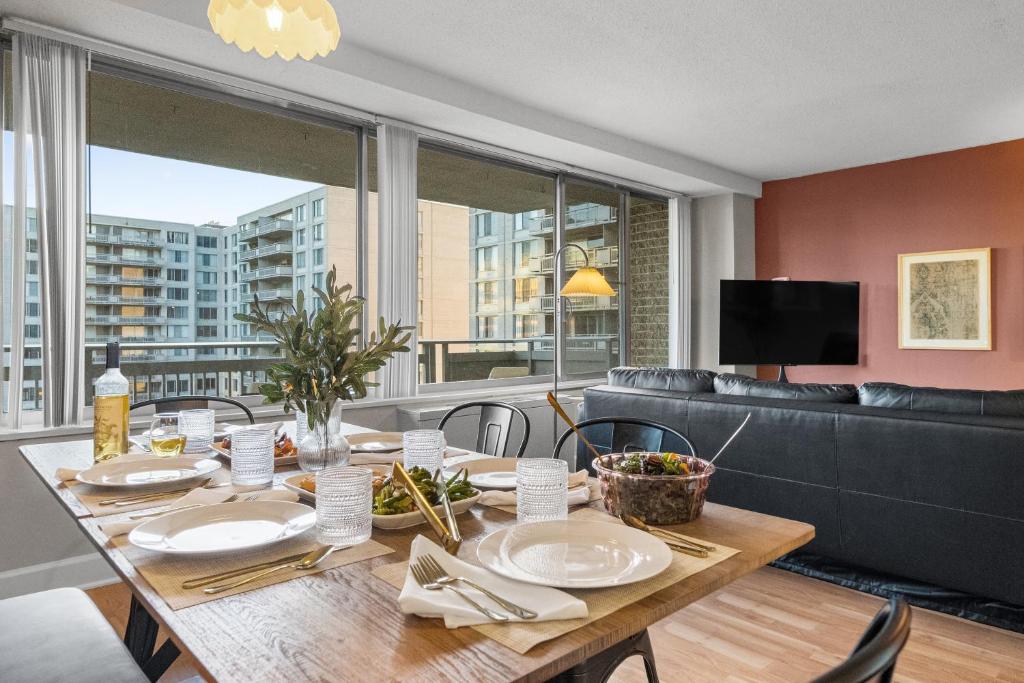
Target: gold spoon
x,y
308,561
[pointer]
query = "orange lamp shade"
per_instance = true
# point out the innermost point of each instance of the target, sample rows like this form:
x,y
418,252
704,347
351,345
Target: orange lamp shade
x,y
587,281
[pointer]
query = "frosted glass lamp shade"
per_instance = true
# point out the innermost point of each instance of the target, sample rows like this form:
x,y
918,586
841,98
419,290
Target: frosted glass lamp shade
x,y
587,281
305,28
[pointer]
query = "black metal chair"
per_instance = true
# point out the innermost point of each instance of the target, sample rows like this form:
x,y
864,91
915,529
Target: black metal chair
x,y
876,653
177,403
495,426
619,434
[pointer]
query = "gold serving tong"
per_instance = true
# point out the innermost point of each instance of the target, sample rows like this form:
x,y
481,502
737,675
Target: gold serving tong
x,y
448,533
572,425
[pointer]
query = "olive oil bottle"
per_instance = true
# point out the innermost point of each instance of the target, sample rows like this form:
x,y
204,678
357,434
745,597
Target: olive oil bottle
x,y
110,409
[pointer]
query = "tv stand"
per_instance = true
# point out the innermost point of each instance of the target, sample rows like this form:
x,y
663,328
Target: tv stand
x,y
782,374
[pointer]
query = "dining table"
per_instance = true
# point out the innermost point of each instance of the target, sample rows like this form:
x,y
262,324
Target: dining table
x,y
344,624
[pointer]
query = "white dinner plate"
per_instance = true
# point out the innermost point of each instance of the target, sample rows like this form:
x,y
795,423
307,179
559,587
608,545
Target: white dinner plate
x,y
227,527
375,442
505,481
574,554
142,472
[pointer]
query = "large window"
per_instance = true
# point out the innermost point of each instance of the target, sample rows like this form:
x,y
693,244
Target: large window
x,y
472,211
177,179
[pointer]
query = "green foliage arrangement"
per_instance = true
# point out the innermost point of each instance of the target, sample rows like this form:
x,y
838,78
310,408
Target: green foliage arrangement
x,y
322,361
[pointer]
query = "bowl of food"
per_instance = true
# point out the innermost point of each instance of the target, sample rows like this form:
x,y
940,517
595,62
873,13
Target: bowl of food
x,y
659,488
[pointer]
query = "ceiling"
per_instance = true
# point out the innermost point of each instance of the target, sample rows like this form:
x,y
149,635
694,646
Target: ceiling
x,y
762,90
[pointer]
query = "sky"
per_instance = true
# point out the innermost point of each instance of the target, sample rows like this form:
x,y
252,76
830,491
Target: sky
x,y
156,188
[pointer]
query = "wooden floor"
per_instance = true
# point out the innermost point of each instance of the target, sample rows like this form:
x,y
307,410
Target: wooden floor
x,y
774,626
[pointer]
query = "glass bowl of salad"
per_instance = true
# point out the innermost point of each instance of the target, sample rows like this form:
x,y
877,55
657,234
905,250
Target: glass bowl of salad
x,y
659,488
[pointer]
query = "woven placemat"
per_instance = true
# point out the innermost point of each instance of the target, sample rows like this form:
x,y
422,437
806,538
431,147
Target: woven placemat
x,y
165,573
90,496
521,637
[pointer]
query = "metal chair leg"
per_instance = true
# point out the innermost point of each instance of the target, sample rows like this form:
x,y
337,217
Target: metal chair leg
x,y
600,667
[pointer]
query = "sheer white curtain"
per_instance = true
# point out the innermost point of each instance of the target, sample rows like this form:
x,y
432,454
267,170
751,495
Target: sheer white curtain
x,y
49,119
398,226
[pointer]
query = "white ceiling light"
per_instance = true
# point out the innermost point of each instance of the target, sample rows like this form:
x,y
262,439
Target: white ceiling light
x,y
306,28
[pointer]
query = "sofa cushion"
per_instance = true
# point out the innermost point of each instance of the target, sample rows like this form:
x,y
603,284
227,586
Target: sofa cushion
x,y
741,385
962,401
668,379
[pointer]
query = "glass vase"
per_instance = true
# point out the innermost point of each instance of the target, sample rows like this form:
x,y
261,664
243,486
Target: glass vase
x,y
324,446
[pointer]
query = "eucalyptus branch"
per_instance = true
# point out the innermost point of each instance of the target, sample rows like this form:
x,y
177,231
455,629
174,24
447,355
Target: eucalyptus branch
x,y
322,360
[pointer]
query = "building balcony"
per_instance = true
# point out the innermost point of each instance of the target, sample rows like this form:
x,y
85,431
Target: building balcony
x,y
265,226
128,260
118,299
600,257
582,303
268,273
123,239
266,250
268,295
125,320
118,338
124,280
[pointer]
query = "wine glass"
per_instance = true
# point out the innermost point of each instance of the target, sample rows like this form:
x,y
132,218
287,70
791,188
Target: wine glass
x,y
165,439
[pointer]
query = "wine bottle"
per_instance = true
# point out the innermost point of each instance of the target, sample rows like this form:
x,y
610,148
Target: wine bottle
x,y
110,409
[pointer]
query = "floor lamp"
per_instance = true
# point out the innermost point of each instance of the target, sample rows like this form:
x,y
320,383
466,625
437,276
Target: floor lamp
x,y
586,281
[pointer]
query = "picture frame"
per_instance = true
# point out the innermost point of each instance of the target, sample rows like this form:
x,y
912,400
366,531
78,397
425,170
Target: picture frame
x,y
945,300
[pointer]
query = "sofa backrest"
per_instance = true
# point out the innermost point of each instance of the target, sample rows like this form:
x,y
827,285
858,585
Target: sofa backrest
x,y
961,401
667,379
741,385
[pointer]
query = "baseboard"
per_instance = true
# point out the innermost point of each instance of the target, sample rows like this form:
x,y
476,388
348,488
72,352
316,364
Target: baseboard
x,y
81,571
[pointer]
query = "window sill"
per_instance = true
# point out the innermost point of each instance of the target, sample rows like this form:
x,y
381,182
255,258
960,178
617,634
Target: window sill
x,y
269,412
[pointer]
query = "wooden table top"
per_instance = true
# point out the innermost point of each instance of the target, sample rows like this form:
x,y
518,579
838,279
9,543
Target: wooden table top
x,y
344,624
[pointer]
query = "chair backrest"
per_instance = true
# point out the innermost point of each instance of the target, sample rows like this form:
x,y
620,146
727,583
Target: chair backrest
x,y
173,404
876,653
495,426
619,434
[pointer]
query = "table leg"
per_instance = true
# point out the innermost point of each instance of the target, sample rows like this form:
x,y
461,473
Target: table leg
x,y
140,639
599,668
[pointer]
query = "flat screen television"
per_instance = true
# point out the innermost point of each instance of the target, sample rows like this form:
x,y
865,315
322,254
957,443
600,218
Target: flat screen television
x,y
776,322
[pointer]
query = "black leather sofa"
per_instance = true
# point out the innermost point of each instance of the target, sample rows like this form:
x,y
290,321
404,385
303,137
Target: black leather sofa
x,y
922,483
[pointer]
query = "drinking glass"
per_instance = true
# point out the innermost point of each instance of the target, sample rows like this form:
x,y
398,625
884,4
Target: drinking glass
x,y
165,441
542,489
197,427
344,503
301,426
423,448
252,457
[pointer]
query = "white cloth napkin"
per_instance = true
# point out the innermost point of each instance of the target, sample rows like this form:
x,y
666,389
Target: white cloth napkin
x,y
549,603
577,496
579,492
67,473
198,496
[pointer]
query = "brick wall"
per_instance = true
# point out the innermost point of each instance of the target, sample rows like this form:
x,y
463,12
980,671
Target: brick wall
x,y
649,284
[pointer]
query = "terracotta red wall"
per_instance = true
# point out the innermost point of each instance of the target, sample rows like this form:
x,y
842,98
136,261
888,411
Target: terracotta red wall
x,y
851,224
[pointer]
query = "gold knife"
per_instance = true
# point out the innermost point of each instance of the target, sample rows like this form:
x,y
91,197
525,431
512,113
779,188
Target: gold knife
x,y
201,581
141,498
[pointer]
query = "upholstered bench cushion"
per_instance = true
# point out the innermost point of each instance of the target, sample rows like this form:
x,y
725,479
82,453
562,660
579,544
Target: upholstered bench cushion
x,y
741,385
667,379
59,635
963,401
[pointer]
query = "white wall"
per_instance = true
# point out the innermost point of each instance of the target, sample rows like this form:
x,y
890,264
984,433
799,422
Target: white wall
x,y
723,249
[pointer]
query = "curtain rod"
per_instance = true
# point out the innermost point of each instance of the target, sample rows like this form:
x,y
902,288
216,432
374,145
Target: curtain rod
x,y
262,91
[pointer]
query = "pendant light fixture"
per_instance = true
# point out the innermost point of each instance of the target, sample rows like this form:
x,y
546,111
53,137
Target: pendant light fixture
x,y
287,28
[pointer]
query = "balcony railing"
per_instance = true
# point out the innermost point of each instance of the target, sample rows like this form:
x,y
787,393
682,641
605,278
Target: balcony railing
x,y
124,280
118,258
459,360
581,216
123,239
125,320
600,257
265,226
268,295
118,299
268,273
266,250
582,303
